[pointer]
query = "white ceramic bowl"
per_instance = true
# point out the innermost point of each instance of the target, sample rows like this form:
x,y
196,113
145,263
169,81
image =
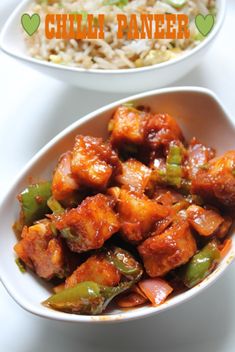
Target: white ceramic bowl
x,y
125,80
199,113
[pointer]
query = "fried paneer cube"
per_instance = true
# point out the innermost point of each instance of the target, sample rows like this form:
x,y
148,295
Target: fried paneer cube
x,y
41,251
134,175
93,162
205,221
64,184
216,182
89,225
164,252
198,156
98,269
127,126
138,215
160,130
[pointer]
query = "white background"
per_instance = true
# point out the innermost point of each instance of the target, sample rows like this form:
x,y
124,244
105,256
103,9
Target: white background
x,y
33,109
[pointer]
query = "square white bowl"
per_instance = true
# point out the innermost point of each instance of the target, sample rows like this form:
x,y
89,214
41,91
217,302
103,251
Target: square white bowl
x,y
198,111
122,80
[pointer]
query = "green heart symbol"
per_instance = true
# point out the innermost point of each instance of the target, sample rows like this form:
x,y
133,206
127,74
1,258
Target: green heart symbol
x,y
204,23
30,23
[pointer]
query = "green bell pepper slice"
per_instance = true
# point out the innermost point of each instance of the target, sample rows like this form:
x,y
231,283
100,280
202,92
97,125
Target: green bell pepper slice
x,y
89,297
125,263
173,166
34,202
85,298
201,264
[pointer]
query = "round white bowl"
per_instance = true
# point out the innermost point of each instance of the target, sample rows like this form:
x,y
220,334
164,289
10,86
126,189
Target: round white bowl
x,y
124,80
199,113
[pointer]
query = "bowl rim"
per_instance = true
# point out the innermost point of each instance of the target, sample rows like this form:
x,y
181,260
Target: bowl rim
x,y
187,55
131,314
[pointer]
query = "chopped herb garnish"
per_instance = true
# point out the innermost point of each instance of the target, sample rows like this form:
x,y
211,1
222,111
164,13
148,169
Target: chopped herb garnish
x,y
83,13
177,3
119,3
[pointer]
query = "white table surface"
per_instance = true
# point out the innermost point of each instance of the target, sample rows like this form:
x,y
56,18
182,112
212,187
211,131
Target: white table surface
x,y
33,109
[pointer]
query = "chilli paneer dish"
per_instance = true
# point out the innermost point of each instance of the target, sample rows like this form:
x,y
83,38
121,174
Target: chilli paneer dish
x,y
134,219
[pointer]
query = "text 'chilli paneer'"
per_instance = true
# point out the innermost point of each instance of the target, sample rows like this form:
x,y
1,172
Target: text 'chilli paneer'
x,y
130,219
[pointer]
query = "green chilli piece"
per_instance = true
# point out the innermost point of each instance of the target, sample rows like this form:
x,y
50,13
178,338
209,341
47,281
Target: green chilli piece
x,y
85,298
201,264
125,263
34,202
177,3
